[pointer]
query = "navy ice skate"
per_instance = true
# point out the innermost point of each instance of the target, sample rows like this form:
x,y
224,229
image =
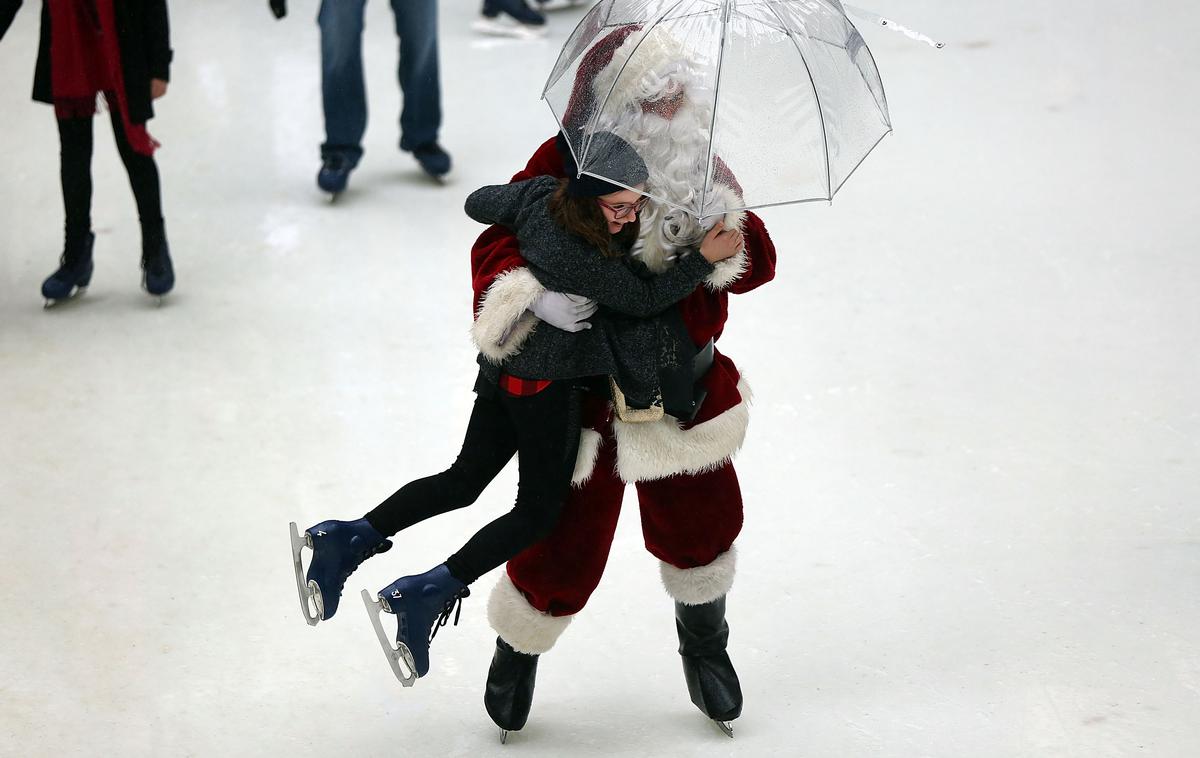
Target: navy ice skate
x,y
158,275
433,159
510,18
74,270
339,547
422,604
335,173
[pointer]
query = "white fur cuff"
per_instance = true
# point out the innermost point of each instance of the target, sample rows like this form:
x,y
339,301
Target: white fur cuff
x,y
504,321
585,460
519,624
727,272
703,584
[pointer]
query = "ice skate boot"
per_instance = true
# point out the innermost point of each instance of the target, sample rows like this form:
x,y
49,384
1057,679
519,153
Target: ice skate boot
x,y
422,604
335,173
158,275
711,680
510,18
339,547
74,270
509,693
434,160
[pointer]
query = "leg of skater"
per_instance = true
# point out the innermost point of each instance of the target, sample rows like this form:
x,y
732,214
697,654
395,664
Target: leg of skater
x,y
546,427
689,522
420,84
343,91
339,547
75,172
158,274
546,585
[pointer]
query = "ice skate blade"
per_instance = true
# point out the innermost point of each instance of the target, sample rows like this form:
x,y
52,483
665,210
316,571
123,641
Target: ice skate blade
x,y
725,727
306,590
395,655
49,302
553,6
493,28
503,736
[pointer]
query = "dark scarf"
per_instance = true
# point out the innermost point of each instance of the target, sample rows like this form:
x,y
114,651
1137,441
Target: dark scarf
x,y
85,60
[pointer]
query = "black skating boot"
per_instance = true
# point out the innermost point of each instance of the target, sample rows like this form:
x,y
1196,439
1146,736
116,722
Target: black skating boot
x,y
509,692
74,269
158,275
711,680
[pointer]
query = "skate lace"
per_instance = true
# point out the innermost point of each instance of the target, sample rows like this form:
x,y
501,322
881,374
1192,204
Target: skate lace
x,y
447,607
362,556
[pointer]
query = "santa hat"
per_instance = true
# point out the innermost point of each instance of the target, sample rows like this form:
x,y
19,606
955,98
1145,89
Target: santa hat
x,y
583,96
647,65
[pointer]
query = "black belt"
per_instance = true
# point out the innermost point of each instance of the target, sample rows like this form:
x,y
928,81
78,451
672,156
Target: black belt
x,y
702,362
682,389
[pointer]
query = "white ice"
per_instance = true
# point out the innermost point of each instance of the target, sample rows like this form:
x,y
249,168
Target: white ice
x,y
972,523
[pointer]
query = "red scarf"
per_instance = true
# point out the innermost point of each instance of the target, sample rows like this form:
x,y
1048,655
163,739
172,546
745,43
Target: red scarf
x,y
85,60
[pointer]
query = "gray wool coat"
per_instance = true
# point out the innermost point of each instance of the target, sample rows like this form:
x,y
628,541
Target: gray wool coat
x,y
628,340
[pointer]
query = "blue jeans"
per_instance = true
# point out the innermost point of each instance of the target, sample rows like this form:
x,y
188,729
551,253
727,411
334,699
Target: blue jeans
x,y
344,91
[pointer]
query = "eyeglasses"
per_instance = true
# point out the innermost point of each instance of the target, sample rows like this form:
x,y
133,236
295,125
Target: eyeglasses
x,y
621,210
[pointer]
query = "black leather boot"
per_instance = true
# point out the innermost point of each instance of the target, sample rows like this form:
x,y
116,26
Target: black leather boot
x,y
158,275
711,680
509,692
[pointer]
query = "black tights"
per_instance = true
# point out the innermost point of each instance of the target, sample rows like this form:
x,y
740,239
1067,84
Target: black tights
x,y
543,430
75,138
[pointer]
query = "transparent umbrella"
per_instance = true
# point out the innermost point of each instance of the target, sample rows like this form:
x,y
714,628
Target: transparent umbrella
x,y
733,104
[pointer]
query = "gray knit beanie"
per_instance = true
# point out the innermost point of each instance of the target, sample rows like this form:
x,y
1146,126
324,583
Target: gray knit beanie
x,y
615,159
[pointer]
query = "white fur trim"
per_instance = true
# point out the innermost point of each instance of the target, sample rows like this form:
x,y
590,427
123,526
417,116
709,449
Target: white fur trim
x,y
519,624
664,448
703,584
585,460
504,320
723,199
728,271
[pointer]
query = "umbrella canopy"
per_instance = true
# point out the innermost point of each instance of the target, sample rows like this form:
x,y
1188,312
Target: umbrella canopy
x,y
733,104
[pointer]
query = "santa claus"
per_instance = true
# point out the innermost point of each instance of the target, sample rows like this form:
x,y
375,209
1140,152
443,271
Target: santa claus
x,y
681,466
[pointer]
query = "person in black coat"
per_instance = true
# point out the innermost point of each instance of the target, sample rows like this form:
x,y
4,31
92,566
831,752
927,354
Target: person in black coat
x,y
121,50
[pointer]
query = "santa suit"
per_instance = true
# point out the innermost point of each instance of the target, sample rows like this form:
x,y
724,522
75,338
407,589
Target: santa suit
x,y
691,504
690,501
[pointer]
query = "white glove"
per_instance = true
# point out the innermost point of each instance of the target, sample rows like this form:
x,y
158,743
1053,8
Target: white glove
x,y
567,312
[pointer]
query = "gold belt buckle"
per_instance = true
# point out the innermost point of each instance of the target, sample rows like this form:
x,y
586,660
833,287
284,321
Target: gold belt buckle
x,y
632,415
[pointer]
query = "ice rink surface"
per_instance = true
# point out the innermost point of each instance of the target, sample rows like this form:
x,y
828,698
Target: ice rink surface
x,y
971,481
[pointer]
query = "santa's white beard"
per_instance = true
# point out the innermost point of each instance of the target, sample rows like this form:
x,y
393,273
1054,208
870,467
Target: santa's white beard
x,y
675,151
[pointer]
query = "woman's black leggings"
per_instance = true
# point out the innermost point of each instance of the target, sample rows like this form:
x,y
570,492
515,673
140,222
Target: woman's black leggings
x,y
543,430
75,138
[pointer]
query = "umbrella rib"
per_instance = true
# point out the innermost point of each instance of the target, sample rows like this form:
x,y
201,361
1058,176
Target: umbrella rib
x,y
759,21
860,160
820,110
882,90
600,107
710,168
